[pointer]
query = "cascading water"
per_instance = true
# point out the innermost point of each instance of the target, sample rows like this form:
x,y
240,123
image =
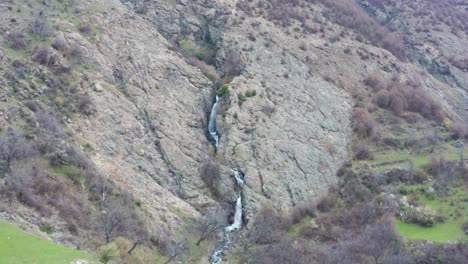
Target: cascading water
x,y
212,123
218,254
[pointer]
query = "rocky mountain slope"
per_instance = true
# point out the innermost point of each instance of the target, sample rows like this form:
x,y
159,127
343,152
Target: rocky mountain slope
x,y
151,70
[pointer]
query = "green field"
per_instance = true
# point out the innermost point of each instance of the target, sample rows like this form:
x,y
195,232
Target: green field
x,y
440,233
390,159
453,207
19,247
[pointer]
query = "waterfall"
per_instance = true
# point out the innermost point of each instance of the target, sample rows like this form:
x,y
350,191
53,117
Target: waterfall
x,y
218,254
212,123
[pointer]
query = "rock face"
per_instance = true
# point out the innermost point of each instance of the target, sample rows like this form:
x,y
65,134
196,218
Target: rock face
x,y
285,122
148,132
291,137
436,45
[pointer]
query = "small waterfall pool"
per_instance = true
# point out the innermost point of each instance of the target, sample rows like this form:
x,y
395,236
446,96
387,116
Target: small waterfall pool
x,y
218,254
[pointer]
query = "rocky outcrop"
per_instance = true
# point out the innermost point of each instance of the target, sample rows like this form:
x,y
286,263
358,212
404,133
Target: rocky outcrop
x,y
148,132
432,42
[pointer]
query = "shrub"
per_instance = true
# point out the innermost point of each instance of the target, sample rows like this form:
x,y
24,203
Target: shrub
x,y
459,130
401,97
85,29
17,40
362,151
13,147
464,227
200,55
423,216
223,90
232,65
250,93
302,210
41,28
208,70
327,202
397,103
48,229
267,225
75,51
363,124
211,176
42,55
85,104
382,99
58,101
241,98
188,47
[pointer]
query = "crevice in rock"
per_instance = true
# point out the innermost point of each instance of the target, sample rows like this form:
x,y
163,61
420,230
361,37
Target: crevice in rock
x,y
291,195
255,155
150,127
299,167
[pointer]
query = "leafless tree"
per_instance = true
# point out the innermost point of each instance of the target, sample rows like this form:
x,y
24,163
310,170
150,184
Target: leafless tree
x,y
377,243
211,175
114,219
174,250
267,227
233,65
178,249
208,225
12,147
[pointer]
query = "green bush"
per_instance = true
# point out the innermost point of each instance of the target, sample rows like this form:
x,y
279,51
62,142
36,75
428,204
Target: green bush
x,y
59,101
188,47
223,90
47,229
241,98
108,253
250,93
200,55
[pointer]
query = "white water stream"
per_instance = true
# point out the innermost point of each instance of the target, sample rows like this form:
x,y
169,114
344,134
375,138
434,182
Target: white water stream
x,y
218,254
212,123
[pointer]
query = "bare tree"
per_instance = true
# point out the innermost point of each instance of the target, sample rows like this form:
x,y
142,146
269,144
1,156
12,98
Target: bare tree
x,y
114,219
12,147
267,227
174,250
211,176
377,243
178,249
208,225
233,65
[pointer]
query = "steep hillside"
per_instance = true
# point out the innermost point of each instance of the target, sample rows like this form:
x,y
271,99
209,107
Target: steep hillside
x,y
105,105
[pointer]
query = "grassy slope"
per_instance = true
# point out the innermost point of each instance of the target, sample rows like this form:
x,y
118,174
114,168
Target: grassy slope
x,y
453,207
17,247
441,233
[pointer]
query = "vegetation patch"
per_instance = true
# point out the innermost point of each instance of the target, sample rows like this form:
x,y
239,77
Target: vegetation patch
x,y
451,213
19,247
